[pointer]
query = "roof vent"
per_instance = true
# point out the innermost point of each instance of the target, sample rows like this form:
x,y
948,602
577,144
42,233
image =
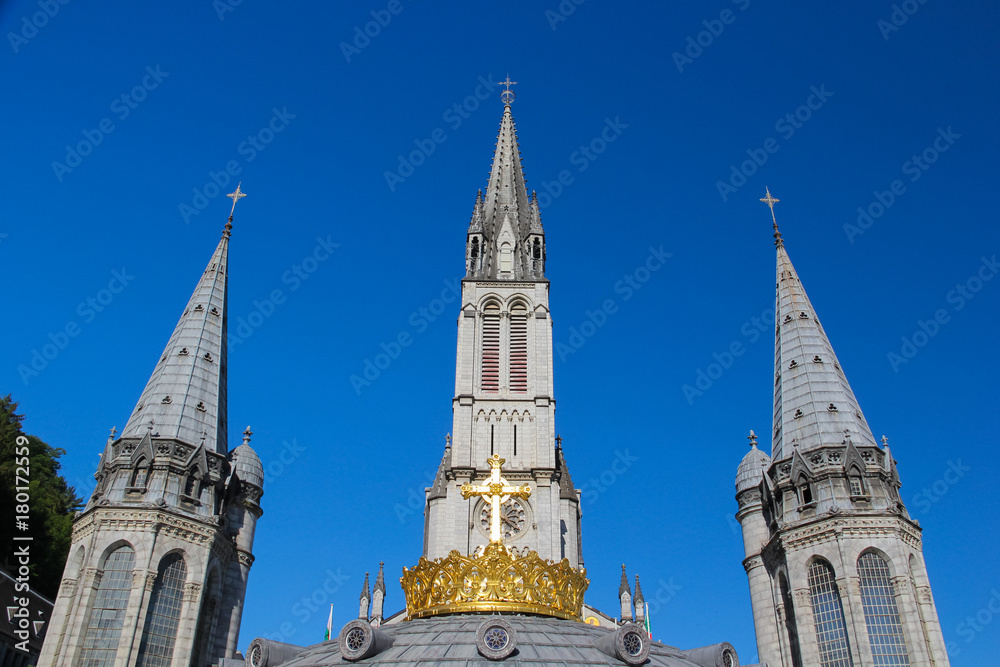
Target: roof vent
x,y
629,643
359,640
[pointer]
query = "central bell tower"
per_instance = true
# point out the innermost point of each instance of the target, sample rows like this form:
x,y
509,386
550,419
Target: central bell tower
x,y
504,401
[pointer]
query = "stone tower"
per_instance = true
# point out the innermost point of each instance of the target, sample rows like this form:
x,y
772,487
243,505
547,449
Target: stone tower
x,y
158,565
503,385
835,564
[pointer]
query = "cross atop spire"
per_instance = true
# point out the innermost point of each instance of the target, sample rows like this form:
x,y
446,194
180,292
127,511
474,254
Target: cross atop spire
x,y
771,201
235,196
507,96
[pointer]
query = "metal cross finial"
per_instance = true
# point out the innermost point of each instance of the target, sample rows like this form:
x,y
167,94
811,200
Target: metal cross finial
x,y
507,96
752,438
235,196
771,201
495,491
559,440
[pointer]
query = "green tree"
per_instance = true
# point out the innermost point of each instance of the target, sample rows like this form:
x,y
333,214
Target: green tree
x,y
52,503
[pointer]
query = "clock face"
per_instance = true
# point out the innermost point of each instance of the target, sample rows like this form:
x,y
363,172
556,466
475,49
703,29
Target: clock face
x,y
513,519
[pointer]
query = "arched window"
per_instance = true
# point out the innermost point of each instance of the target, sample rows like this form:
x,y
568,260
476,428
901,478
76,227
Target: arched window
x,y
140,475
519,348
191,485
474,255
828,614
104,626
506,258
491,349
160,632
885,631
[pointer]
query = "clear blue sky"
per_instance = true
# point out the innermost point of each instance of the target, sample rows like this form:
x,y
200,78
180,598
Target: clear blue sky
x,y
684,122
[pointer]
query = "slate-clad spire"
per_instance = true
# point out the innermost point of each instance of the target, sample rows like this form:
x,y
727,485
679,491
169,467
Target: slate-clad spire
x,y
185,397
813,402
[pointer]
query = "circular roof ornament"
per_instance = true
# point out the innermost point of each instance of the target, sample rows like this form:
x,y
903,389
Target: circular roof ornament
x,y
495,638
631,644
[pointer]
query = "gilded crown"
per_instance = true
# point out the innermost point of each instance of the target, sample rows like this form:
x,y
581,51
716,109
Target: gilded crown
x,y
494,581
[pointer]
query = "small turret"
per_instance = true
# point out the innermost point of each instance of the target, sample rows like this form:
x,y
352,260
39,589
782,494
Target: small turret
x,y
625,597
365,599
378,598
640,603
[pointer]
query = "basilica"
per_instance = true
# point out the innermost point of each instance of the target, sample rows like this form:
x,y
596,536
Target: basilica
x,y
161,555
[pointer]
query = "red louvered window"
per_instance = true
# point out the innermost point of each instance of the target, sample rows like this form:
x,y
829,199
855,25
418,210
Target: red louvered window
x,y
491,349
519,349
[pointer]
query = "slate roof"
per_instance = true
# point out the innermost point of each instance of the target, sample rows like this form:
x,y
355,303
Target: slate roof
x,y
451,640
751,469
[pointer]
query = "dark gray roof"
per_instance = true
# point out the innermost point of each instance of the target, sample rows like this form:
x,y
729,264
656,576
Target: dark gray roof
x,y
451,640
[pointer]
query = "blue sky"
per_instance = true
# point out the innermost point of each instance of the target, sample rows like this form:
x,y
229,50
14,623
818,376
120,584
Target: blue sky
x,y
836,107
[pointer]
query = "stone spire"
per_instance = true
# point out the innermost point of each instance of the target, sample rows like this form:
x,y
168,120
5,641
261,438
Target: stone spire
x,y
640,602
813,403
364,600
625,597
506,239
185,397
378,597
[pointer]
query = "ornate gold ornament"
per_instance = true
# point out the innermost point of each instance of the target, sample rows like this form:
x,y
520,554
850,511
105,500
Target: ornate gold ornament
x,y
494,579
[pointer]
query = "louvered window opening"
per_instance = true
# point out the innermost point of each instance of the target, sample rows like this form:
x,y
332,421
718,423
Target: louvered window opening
x,y
104,627
828,613
519,351
491,350
878,599
160,633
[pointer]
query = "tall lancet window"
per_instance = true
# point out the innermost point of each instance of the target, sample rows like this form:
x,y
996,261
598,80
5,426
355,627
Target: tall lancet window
x,y
828,614
490,372
506,258
160,632
885,631
474,255
104,627
519,348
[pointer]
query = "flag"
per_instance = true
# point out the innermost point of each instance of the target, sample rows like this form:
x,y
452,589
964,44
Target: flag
x,y
329,625
648,631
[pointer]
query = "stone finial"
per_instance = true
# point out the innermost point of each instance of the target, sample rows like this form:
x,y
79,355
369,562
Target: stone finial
x,y
752,438
246,435
114,430
885,441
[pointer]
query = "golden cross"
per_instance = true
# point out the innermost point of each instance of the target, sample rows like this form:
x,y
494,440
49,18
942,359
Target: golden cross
x,y
236,196
495,491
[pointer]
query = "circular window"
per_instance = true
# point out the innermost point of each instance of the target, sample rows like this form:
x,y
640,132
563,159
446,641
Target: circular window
x,y
515,518
256,656
633,643
727,659
495,638
355,639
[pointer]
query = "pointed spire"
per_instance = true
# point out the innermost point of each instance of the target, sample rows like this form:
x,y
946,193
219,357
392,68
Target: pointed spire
x,y
638,593
186,394
814,404
623,588
380,579
506,199
365,595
